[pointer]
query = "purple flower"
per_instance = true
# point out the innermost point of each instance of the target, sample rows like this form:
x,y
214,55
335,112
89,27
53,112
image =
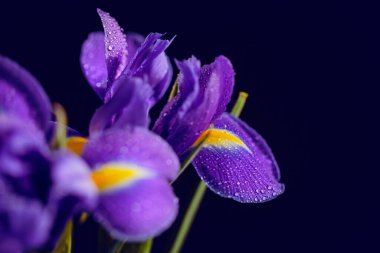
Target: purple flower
x,y
131,168
39,189
235,161
116,65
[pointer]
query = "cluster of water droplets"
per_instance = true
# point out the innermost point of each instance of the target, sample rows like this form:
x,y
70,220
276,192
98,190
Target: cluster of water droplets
x,y
115,45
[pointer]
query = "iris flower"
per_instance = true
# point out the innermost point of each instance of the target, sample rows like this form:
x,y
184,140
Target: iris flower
x,y
235,161
131,166
125,71
40,189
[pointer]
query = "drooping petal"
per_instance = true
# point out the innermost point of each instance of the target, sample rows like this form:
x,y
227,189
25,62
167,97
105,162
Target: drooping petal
x,y
131,170
234,165
135,145
204,94
138,211
22,95
151,63
129,106
93,62
115,46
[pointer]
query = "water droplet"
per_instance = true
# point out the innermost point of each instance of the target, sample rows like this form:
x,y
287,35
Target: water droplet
x,y
262,191
269,187
110,48
237,194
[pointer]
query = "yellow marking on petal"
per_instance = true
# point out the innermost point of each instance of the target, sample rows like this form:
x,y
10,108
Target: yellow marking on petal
x,y
114,175
220,138
76,144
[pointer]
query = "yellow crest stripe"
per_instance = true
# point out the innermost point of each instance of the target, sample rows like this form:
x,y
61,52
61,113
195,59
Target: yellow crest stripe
x,y
76,144
114,175
220,138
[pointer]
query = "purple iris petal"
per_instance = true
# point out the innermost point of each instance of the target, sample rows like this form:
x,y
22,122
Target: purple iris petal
x,y
22,95
72,191
38,190
131,169
130,105
24,222
115,46
238,164
151,63
93,62
204,94
135,144
134,41
93,59
139,211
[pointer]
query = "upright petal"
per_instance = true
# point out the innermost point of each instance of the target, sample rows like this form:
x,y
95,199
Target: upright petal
x,y
22,95
134,42
224,70
136,145
151,63
238,164
115,46
204,94
93,62
129,106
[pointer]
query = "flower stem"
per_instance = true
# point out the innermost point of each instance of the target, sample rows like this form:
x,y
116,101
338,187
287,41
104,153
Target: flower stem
x,y
239,104
189,217
146,247
117,247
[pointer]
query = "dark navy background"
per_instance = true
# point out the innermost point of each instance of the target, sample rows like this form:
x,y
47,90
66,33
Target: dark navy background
x,y
312,71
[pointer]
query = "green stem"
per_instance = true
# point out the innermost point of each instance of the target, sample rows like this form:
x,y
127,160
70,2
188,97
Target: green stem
x,y
146,247
189,217
117,247
239,104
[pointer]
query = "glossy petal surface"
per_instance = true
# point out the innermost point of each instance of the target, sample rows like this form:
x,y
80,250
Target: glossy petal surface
x,y
236,164
115,46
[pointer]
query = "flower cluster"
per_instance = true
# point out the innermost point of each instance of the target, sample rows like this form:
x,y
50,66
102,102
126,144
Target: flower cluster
x,y
121,174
